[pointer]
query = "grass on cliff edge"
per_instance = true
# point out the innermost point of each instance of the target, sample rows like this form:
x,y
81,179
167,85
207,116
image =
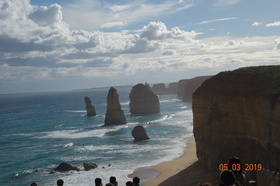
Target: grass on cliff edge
x,y
273,89
273,71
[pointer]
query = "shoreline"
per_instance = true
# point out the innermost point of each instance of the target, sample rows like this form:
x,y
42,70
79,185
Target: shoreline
x,y
185,170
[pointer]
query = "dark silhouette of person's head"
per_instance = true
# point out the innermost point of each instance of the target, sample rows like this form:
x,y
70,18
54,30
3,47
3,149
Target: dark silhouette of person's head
x,y
98,181
235,164
59,182
136,180
113,180
129,183
33,184
228,178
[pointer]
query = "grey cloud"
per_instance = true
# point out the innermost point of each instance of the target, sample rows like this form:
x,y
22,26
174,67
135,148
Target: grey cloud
x,y
277,44
8,44
169,53
233,43
45,16
99,62
91,43
31,62
87,55
140,45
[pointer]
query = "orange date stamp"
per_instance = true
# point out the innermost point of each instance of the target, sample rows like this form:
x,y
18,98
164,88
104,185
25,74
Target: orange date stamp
x,y
237,167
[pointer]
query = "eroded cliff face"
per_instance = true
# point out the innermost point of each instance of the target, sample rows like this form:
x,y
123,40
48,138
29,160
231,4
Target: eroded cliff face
x,y
238,113
186,87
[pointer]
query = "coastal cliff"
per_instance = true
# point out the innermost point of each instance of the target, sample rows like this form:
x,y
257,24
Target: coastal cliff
x,y
238,113
186,87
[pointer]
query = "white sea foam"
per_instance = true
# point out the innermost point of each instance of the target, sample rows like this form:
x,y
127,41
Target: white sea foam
x,y
124,103
68,145
169,100
98,131
76,111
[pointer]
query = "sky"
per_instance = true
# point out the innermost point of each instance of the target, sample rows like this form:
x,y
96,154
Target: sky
x,y
58,45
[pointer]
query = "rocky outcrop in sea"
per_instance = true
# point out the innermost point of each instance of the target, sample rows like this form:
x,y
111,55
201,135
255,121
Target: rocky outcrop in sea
x,y
139,133
114,113
143,101
162,88
65,167
237,113
159,89
89,107
89,165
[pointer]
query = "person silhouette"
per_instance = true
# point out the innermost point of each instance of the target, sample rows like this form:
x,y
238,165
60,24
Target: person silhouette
x,y
235,165
228,179
113,180
98,182
136,181
59,182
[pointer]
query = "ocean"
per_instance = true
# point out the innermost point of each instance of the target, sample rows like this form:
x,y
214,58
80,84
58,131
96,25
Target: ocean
x,y
38,131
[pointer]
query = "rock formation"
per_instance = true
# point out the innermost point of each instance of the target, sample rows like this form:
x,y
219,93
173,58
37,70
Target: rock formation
x,y
162,89
89,165
139,133
143,100
159,89
186,87
238,113
89,107
172,88
65,167
114,113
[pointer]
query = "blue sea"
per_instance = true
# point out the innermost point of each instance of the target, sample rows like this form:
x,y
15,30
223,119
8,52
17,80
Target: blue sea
x,y
38,131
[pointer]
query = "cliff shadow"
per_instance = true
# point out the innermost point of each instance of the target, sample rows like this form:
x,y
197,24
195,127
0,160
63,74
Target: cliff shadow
x,y
191,176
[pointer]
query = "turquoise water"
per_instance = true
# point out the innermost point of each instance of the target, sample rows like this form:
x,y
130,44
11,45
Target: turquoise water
x,y
38,131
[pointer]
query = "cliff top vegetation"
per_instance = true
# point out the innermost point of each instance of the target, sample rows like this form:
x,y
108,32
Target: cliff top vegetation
x,y
272,89
273,71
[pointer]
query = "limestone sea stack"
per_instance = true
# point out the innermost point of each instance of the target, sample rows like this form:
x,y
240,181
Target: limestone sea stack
x,y
237,113
89,107
143,101
159,89
139,133
114,113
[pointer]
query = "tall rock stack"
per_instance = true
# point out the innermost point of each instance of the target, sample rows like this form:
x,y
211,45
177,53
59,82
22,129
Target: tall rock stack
x,y
143,101
89,107
114,113
237,113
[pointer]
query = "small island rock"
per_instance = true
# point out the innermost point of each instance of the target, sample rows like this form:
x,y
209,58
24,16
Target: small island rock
x,y
65,167
89,165
139,133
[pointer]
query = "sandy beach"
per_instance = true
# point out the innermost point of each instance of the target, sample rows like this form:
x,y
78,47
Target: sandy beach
x,y
184,171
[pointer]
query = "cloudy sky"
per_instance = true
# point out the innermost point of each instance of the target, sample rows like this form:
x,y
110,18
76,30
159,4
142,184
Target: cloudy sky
x,y
49,45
